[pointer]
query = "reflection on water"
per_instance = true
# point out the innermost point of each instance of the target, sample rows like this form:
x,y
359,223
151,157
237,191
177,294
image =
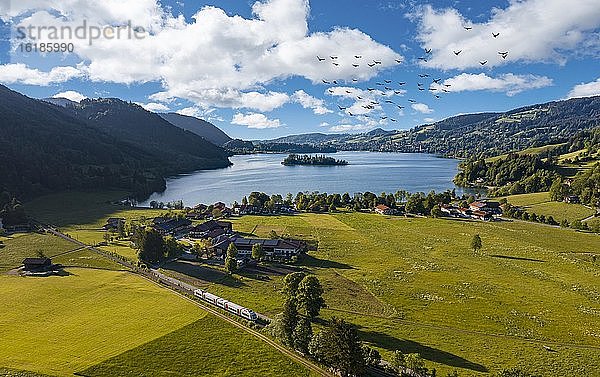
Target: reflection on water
x,y
368,171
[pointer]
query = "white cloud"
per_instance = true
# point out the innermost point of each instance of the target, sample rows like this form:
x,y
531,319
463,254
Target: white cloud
x,y
429,120
324,124
208,114
70,95
255,120
20,73
216,60
508,83
585,89
422,108
309,102
530,30
154,106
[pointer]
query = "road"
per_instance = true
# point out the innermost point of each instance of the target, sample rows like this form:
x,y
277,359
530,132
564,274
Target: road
x,y
185,290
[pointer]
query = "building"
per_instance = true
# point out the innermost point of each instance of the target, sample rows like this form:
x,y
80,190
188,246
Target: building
x,y
211,228
572,199
113,223
1,224
276,249
37,264
384,210
172,226
490,207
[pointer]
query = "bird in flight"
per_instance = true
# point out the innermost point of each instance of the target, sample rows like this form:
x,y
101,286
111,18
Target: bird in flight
x,y
359,97
389,101
387,88
355,80
428,51
336,64
400,107
376,61
412,101
371,64
437,81
423,75
387,81
342,108
504,54
421,88
425,60
398,61
447,85
370,89
325,81
468,27
384,118
436,96
457,52
445,91
333,57
358,56
495,35
355,65
432,89
482,62
320,58
349,113
401,83
348,91
335,82
379,83
392,119
397,92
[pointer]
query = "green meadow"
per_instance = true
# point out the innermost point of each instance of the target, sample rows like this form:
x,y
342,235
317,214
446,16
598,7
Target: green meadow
x,y
530,298
540,204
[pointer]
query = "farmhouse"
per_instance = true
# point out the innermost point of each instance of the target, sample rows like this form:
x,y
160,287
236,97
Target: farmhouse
x,y
278,249
36,264
384,210
113,223
172,226
572,199
211,229
492,208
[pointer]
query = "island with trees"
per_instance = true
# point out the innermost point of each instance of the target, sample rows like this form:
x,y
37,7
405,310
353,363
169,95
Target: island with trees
x,y
317,160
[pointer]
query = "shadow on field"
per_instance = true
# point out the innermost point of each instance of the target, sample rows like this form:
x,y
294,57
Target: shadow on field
x,y
311,261
207,274
516,258
408,346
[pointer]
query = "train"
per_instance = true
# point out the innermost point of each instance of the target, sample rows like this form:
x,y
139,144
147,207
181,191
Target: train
x,y
231,307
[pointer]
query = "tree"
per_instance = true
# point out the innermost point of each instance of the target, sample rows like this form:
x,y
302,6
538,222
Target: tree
x,y
338,346
172,247
415,362
106,236
476,243
291,282
231,258
289,321
257,252
436,212
399,360
153,247
302,335
310,296
371,356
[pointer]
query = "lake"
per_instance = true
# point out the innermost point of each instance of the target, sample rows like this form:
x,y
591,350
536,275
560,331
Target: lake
x,y
367,171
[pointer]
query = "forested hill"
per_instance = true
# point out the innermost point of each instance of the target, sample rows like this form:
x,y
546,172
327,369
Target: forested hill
x,y
47,148
474,135
131,123
198,126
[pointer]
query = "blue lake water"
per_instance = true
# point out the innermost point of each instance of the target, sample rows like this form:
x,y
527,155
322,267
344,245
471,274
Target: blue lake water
x,y
367,171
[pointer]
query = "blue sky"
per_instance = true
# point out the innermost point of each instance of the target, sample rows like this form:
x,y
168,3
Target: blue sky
x,y
251,67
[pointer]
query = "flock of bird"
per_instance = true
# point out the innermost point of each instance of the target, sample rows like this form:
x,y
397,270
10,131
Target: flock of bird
x,y
388,88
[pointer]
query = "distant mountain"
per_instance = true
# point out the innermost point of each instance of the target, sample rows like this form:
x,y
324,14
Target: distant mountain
x,y
312,138
198,126
98,144
469,135
59,101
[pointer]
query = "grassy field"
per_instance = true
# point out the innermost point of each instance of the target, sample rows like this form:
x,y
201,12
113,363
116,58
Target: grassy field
x,y
82,215
23,245
540,204
59,325
207,347
414,285
529,151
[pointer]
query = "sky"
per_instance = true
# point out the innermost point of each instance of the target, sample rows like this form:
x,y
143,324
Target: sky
x,y
270,68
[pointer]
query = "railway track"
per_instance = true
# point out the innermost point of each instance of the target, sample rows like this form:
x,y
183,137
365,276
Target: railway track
x,y
183,290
